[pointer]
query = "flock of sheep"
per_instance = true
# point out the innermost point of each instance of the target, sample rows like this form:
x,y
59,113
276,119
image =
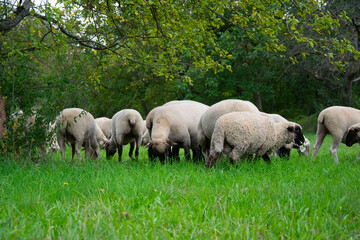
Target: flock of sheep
x,y
232,127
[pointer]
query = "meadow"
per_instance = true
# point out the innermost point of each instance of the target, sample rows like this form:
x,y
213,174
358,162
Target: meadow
x,y
295,199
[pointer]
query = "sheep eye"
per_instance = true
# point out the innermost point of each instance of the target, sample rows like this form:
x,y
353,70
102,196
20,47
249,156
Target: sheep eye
x,y
356,130
290,129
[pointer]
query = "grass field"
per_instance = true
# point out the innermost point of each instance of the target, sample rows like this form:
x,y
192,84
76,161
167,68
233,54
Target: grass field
x,y
295,199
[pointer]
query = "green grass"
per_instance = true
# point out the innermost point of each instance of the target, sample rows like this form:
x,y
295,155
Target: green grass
x,y
295,199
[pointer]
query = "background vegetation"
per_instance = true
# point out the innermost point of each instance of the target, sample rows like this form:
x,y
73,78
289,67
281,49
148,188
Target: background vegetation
x,y
289,57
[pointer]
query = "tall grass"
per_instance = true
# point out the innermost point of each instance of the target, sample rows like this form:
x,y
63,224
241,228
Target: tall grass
x,y
295,199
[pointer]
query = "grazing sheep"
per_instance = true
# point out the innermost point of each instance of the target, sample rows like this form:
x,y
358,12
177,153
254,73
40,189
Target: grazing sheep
x,y
105,126
336,121
126,127
240,133
77,127
175,124
209,118
284,151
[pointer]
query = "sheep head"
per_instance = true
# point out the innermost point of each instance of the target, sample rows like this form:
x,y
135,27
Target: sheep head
x,y
297,133
110,149
353,135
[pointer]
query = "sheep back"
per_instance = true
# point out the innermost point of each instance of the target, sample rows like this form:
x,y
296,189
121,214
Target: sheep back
x,y
209,118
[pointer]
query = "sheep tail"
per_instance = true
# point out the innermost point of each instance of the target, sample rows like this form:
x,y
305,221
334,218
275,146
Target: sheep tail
x,y
132,121
321,118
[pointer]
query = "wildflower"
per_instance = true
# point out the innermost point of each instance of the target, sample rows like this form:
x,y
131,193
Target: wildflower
x,y
66,183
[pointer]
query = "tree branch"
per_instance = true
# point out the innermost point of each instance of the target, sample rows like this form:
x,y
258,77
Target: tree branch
x,y
10,22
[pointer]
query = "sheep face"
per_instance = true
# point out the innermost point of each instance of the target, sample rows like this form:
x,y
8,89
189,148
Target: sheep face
x,y
160,145
110,150
353,136
298,135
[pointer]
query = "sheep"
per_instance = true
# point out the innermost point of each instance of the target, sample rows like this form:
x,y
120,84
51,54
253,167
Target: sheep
x,y
239,133
209,118
126,127
77,127
175,124
105,126
284,151
336,121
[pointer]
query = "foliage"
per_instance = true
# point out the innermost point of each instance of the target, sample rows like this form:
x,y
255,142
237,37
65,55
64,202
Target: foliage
x,y
289,57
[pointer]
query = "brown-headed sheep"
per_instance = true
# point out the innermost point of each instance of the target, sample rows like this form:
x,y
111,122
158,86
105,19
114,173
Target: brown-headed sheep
x,y
239,133
336,121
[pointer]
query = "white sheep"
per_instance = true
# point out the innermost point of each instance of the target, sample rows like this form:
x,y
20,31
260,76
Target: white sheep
x,y
284,151
105,126
77,127
336,121
239,133
209,118
175,124
126,127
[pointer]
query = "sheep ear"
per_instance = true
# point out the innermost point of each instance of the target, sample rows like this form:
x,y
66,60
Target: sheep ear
x,y
105,145
171,142
148,145
290,129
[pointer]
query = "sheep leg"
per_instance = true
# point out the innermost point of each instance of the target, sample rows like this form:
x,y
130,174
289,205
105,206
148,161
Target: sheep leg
x,y
211,160
88,150
120,150
334,147
196,154
320,136
132,146
78,149
72,152
175,153
237,152
266,158
187,152
62,146
119,145
138,143
358,156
